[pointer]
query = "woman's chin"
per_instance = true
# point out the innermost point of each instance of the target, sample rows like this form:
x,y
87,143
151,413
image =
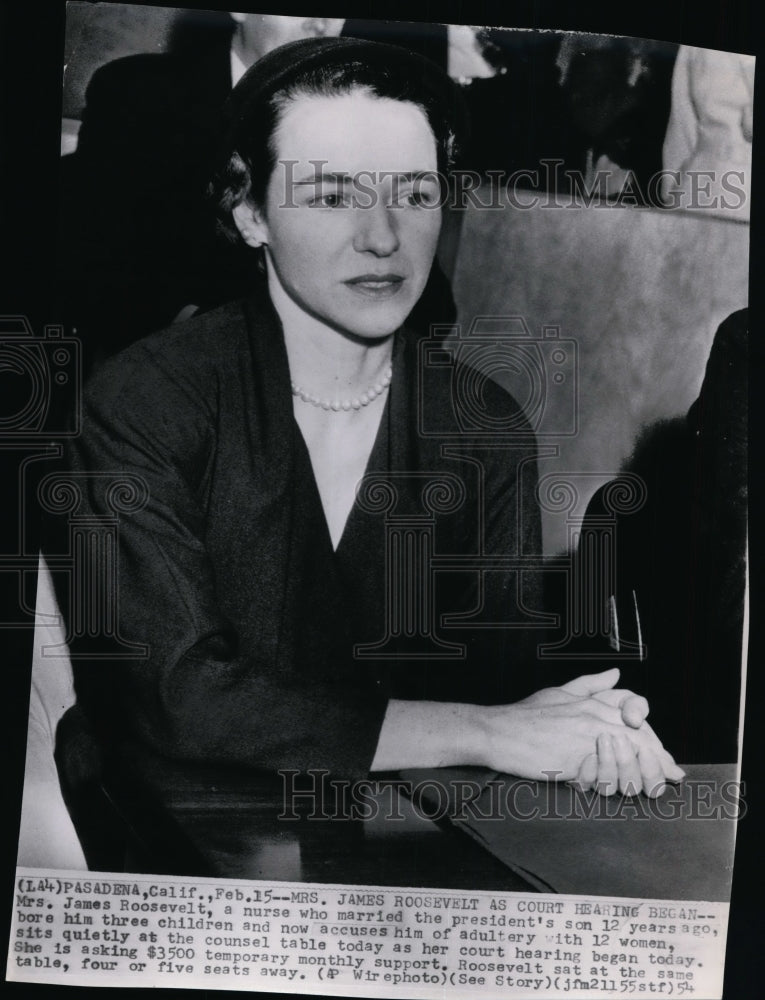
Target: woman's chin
x,y
381,322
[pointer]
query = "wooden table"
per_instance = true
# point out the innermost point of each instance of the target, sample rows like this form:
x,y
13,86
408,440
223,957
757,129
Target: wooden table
x,y
679,846
482,831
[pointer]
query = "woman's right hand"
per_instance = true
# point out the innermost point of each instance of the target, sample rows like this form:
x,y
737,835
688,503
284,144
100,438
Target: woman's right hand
x,y
585,731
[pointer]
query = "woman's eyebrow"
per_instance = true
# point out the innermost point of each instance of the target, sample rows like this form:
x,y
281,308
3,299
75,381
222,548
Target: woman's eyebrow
x,y
411,175
333,177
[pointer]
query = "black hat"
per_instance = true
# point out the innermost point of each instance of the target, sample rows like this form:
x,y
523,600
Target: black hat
x,y
423,81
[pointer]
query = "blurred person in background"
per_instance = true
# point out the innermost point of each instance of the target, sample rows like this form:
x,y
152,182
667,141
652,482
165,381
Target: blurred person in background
x,y
137,243
710,132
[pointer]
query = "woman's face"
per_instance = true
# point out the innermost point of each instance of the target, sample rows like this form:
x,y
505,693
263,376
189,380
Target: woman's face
x,y
351,218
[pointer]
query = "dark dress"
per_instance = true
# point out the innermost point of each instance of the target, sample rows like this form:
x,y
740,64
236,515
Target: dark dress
x,y
252,623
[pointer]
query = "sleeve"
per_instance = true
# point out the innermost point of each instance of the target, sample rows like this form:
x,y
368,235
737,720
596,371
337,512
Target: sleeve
x,y
681,135
196,691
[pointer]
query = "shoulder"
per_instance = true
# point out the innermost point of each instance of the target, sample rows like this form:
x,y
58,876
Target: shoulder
x,y
188,354
164,392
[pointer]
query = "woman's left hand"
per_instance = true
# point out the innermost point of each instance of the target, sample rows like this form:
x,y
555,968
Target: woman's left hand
x,y
619,764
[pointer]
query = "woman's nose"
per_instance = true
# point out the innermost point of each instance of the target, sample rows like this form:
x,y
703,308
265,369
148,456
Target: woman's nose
x,y
376,230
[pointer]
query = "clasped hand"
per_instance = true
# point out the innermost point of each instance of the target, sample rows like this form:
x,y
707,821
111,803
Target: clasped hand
x,y
587,732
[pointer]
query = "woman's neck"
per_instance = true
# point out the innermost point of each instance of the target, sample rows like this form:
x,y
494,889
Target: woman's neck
x,y
325,361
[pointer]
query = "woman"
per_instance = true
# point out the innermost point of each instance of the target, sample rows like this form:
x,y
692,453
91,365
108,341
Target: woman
x,y
251,572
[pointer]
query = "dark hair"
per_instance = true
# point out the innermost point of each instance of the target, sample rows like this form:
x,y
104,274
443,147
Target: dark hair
x,y
249,152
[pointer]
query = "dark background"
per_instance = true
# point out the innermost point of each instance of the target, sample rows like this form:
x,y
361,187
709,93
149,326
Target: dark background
x,y
31,50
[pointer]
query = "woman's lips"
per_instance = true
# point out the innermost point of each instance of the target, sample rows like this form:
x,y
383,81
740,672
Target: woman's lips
x,y
376,285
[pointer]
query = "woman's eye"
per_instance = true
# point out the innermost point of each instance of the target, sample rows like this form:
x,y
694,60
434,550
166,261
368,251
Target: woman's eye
x,y
418,198
331,200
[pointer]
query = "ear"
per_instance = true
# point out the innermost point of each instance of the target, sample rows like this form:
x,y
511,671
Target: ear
x,y
250,224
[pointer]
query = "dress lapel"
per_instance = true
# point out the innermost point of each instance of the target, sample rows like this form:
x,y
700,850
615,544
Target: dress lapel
x,y
295,537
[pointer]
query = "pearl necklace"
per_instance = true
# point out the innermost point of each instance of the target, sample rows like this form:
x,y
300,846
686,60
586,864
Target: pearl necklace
x,y
356,403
